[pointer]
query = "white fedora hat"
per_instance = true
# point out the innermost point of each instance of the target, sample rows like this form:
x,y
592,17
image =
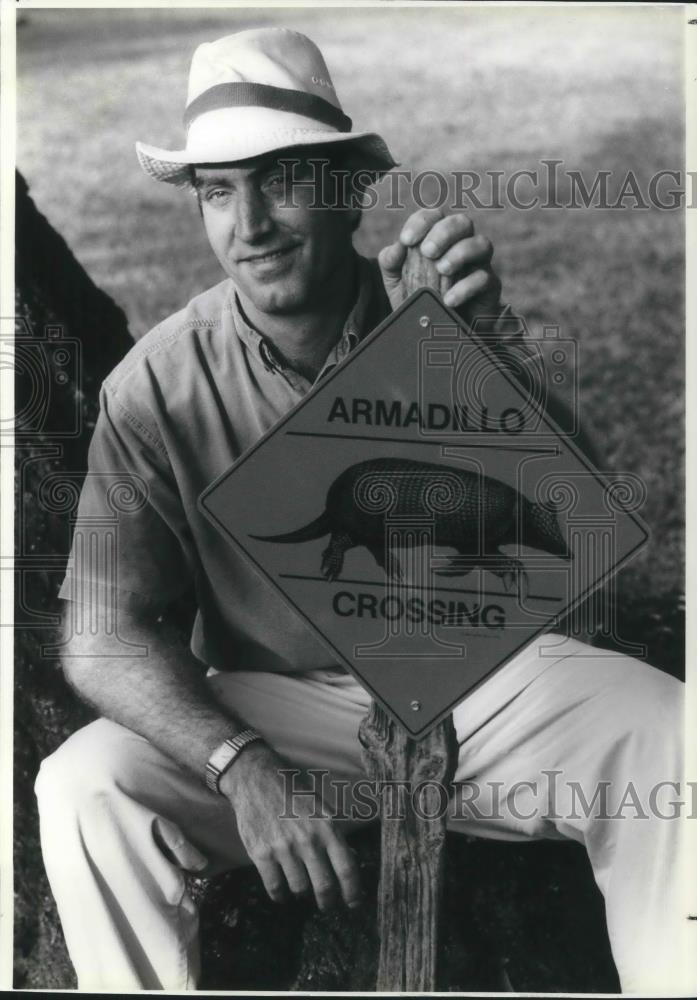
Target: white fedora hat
x,y
255,92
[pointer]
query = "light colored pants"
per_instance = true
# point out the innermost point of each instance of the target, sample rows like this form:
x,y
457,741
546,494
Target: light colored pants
x,y
119,820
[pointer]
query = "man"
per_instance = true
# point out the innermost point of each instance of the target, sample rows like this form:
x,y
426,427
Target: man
x,y
182,773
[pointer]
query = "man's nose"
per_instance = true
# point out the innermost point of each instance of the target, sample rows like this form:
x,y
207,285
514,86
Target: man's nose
x,y
253,220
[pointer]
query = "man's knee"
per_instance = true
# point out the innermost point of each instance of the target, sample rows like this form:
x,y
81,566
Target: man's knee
x,y
619,690
92,763
641,715
649,700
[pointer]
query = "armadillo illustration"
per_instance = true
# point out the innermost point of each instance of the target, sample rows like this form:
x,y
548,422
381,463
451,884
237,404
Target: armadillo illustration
x,y
472,513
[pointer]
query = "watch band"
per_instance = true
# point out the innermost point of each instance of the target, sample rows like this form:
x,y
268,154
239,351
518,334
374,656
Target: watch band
x,y
225,755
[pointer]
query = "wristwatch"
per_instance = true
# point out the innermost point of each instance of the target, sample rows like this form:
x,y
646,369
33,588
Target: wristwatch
x,y
225,755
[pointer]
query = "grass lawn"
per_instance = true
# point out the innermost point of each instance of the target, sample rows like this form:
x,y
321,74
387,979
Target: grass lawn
x,y
450,89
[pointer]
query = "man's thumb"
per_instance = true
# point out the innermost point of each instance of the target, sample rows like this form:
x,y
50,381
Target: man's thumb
x,y
391,260
176,847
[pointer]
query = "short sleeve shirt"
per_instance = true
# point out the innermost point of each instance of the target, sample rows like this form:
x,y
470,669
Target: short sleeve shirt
x,y
183,405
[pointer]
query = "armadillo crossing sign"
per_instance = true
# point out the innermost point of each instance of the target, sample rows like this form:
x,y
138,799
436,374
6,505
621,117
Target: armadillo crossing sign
x,y
425,518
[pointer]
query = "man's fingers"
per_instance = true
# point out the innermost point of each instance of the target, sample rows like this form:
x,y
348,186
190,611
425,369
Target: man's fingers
x,y
474,284
433,232
323,879
445,233
348,873
471,251
418,224
273,878
295,873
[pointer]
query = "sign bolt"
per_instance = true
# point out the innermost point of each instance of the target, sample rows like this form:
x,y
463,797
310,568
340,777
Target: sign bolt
x,y
416,706
424,321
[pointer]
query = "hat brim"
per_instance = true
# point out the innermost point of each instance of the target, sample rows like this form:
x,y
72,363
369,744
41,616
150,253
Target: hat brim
x,y
173,166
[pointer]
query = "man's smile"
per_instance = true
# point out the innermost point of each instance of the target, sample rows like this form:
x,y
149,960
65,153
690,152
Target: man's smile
x,y
268,256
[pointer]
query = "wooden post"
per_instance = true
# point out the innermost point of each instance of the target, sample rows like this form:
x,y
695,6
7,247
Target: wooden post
x,y
411,867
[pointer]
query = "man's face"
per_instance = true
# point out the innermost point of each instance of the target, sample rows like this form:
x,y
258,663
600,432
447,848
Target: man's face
x,y
282,254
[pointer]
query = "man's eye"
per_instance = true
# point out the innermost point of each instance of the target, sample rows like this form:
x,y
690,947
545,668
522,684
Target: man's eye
x,y
217,196
275,182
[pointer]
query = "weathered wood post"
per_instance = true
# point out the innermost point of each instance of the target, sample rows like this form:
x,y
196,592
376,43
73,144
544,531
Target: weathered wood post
x,y
411,867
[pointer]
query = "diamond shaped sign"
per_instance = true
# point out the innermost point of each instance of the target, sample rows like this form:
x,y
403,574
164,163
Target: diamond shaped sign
x,y
423,515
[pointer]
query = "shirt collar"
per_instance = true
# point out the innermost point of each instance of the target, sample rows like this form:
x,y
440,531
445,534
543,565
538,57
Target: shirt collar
x,y
355,327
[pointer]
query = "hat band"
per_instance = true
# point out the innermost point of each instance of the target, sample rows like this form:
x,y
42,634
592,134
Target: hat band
x,y
261,95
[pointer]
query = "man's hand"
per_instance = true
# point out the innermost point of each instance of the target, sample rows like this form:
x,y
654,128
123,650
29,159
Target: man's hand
x,y
299,854
458,253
